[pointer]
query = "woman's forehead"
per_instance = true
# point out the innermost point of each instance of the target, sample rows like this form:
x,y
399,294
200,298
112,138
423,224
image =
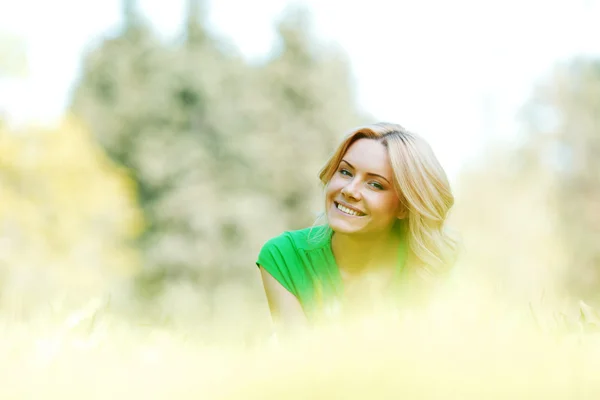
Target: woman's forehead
x,y
368,154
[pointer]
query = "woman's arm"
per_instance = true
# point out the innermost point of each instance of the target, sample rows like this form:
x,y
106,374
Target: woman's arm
x,y
286,311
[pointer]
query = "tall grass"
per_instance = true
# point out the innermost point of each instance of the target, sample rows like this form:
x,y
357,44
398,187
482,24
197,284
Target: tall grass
x,y
460,346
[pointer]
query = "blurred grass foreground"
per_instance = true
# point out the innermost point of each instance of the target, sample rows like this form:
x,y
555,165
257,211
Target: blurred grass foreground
x,y
129,231
454,349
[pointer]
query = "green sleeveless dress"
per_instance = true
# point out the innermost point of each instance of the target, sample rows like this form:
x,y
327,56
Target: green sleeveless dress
x,y
302,262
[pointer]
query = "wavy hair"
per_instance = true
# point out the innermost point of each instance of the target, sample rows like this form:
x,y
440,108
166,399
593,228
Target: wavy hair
x,y
422,187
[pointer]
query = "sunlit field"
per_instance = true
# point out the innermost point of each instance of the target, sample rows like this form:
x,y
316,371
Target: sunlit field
x,y
459,347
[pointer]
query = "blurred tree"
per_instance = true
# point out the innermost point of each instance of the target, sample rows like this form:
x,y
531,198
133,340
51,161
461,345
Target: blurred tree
x,y
195,32
225,153
309,104
13,64
131,17
68,217
563,125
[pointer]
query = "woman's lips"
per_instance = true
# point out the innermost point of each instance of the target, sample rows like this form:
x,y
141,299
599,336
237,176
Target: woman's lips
x,y
361,213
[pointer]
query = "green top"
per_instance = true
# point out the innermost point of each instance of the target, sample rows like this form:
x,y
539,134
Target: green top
x,y
302,261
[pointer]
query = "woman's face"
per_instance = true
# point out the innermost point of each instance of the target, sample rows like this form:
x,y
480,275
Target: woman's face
x,y
360,197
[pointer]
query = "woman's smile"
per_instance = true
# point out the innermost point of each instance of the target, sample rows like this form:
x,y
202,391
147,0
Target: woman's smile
x,y
348,210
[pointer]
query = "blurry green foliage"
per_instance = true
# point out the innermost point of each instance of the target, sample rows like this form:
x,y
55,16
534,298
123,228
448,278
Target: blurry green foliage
x,y
564,135
225,152
530,210
68,218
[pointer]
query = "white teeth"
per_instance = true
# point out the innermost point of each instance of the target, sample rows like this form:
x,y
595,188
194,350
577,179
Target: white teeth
x,y
347,210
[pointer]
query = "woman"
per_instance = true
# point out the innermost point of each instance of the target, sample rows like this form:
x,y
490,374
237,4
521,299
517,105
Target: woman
x,y
386,201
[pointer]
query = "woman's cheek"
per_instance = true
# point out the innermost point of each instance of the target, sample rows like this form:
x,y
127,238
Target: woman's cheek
x,y
334,185
379,202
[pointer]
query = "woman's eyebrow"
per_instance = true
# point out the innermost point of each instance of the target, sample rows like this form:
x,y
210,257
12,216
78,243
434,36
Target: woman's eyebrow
x,y
368,173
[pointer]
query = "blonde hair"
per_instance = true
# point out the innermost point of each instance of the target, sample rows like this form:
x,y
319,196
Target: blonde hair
x,y
422,187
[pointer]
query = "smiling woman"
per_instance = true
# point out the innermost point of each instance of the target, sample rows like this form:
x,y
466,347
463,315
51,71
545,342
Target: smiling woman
x,y
386,203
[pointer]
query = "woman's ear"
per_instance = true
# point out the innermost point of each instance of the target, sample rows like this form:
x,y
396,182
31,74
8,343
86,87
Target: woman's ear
x,y
402,212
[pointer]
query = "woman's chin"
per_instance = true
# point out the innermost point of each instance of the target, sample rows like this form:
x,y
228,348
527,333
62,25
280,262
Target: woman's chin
x,y
339,224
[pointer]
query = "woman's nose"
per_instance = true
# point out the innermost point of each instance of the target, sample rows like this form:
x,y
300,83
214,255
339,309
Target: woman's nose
x,y
351,191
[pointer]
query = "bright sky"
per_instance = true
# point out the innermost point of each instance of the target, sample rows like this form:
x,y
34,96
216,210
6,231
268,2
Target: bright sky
x,y
453,71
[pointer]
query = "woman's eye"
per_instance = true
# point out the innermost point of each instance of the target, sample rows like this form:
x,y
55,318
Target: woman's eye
x,y
377,185
345,172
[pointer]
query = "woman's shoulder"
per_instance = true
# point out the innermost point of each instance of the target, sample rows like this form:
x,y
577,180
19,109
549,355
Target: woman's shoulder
x,y
306,239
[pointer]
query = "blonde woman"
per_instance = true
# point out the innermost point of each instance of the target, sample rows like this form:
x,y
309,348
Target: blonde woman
x,y
386,202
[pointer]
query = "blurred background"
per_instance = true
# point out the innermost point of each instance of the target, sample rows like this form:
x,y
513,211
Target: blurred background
x,y
148,148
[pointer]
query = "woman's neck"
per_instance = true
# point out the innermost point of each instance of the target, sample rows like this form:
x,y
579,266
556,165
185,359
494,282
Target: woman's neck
x,y
356,254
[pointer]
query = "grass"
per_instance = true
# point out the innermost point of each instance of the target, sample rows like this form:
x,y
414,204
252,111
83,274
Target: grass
x,y
468,350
